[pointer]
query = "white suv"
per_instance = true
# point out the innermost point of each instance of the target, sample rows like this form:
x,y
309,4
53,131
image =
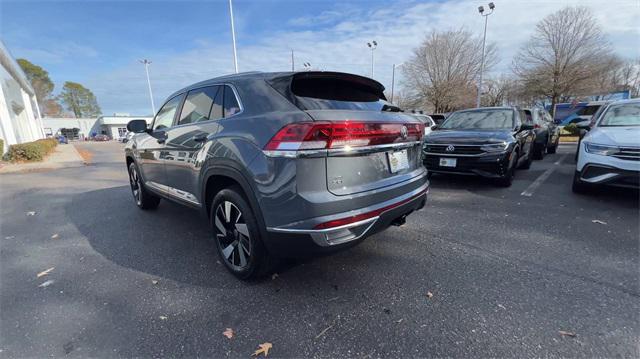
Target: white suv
x,y
610,152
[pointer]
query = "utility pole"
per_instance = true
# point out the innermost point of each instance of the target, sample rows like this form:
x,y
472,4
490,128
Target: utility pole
x,y
146,64
293,64
233,37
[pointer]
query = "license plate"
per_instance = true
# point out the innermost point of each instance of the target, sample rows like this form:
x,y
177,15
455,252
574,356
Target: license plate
x,y
448,162
398,161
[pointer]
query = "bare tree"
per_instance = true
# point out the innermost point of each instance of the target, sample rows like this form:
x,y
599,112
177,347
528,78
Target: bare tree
x,y
562,56
442,71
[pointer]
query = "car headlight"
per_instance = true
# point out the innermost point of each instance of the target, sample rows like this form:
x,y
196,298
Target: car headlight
x,y
495,147
600,149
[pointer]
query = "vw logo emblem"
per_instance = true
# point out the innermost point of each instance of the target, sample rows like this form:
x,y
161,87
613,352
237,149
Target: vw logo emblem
x,y
450,148
404,132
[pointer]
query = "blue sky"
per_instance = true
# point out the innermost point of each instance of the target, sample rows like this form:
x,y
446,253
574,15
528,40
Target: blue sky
x,y
99,43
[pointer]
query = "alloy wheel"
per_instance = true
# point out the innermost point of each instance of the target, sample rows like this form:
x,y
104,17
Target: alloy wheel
x,y
134,181
232,235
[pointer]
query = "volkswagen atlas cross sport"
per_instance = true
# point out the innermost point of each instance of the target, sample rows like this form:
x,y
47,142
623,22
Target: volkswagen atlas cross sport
x,y
283,164
609,154
490,142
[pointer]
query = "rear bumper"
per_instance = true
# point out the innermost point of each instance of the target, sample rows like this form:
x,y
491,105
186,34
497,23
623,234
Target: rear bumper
x,y
594,173
491,165
301,242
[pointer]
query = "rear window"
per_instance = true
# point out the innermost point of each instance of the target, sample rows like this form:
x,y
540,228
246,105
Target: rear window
x,y
328,91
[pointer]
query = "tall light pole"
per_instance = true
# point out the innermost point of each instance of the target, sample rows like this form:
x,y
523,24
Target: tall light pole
x,y
372,45
233,37
393,79
146,64
484,38
293,63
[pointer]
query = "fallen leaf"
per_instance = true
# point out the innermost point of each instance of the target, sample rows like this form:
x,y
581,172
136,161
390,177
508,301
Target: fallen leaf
x,y
154,282
55,236
31,213
46,284
45,272
429,294
399,321
274,276
567,334
264,349
598,221
162,317
501,306
228,333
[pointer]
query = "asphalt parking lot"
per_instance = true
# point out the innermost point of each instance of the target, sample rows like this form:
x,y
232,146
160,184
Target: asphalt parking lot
x,y
507,273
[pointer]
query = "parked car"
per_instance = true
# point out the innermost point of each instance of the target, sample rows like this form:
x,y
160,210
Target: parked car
x,y
609,153
101,137
126,138
490,142
568,113
547,132
426,120
283,164
438,118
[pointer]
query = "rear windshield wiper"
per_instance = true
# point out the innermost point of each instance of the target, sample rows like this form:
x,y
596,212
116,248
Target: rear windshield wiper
x,y
390,108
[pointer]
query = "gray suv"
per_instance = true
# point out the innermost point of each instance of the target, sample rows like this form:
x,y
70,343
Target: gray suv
x,y
282,164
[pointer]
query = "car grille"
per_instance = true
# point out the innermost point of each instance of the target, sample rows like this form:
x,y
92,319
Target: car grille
x,y
628,153
457,149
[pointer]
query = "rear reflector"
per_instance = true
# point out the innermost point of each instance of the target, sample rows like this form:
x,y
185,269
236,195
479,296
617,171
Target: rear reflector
x,y
327,135
364,216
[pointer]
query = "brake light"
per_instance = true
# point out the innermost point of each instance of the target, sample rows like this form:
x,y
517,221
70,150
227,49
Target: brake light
x,y
363,216
328,135
536,126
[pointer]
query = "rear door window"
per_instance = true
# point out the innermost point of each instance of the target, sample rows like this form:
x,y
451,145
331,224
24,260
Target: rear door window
x,y
198,105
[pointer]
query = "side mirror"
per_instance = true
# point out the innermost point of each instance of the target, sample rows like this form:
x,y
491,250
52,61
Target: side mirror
x,y
434,127
137,126
584,125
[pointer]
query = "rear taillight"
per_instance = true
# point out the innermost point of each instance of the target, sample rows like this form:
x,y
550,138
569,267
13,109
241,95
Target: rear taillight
x,y
536,126
328,135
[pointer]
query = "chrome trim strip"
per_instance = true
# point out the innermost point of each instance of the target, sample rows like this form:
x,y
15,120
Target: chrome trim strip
x,y
599,178
327,230
458,154
174,193
340,151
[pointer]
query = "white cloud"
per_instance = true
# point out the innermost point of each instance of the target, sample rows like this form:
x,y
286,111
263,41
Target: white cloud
x,y
336,40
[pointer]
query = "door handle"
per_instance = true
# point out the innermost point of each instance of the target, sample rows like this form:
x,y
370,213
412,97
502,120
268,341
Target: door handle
x,y
200,137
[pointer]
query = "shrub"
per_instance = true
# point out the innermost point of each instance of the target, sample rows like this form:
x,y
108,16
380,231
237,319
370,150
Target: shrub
x,y
572,129
1,146
31,151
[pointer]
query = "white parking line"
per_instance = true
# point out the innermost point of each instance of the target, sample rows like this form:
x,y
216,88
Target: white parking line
x,y
532,187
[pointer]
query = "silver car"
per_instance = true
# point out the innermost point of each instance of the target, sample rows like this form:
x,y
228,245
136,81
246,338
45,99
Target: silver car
x,y
282,164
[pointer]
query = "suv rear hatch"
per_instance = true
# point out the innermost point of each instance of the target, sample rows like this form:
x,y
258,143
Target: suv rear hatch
x,y
368,143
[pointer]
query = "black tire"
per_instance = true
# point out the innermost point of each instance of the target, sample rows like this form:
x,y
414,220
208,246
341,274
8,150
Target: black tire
x,y
240,247
527,163
579,186
507,179
143,198
539,151
554,147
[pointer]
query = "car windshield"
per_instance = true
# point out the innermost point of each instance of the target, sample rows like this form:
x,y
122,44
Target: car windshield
x,y
480,120
626,114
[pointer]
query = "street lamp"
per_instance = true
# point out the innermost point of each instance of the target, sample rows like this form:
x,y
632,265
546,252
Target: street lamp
x,y
484,38
372,45
233,38
146,64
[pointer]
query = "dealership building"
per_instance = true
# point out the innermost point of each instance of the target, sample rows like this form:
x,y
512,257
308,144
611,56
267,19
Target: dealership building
x,y
82,128
20,119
